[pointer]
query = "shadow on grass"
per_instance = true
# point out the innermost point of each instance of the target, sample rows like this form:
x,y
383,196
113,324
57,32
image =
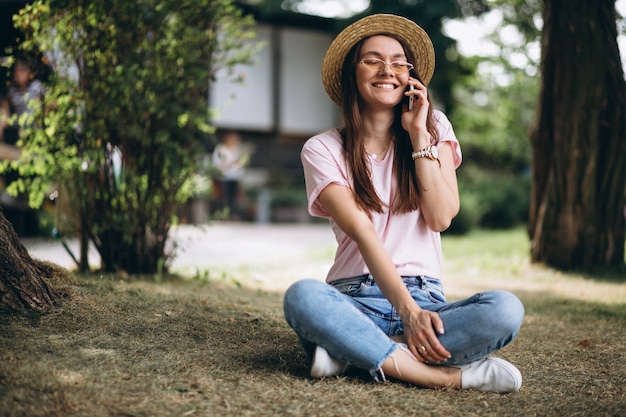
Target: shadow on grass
x,y
613,274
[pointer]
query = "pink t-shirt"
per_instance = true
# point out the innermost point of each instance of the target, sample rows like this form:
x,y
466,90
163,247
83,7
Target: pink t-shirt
x,y
413,247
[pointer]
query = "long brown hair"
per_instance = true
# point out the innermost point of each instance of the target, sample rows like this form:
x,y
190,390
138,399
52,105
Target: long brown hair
x,y
407,195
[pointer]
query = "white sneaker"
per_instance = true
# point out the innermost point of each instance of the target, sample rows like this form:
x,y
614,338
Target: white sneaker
x,y
491,374
325,365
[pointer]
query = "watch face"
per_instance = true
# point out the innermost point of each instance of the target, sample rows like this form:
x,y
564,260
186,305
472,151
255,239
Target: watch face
x,y
434,152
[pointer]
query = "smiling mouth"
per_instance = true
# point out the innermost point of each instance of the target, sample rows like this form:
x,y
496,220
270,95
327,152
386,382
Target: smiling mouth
x,y
385,86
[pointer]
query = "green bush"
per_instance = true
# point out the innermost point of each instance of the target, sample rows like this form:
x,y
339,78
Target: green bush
x,y
121,133
469,215
505,201
493,200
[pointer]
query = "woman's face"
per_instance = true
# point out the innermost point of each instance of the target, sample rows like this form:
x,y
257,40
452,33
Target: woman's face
x,y
22,75
381,88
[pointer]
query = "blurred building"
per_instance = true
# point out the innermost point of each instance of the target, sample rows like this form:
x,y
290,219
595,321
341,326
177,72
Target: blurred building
x,y
280,104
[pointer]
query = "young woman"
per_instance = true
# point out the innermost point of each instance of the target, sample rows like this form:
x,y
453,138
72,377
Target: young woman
x,y
386,181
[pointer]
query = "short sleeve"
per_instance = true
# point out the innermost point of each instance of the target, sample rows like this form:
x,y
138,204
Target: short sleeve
x,y
323,164
446,134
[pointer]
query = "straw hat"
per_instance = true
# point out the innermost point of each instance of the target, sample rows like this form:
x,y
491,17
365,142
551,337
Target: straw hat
x,y
378,24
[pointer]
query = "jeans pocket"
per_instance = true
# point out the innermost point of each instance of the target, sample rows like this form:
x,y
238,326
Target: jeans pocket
x,y
350,288
435,291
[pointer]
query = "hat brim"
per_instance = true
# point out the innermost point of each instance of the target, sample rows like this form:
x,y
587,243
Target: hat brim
x,y
379,24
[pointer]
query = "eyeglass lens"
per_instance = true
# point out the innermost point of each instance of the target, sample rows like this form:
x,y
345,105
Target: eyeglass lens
x,y
375,64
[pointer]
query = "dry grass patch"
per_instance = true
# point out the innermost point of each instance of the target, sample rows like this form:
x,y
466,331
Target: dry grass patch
x,y
182,348
195,347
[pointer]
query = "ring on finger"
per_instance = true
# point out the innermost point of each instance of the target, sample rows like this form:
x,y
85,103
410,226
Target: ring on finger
x,y
422,349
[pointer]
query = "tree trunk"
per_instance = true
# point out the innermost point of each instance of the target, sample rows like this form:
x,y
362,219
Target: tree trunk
x,y
26,284
579,140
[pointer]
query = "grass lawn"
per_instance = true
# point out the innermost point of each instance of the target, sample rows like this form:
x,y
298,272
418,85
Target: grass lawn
x,y
203,346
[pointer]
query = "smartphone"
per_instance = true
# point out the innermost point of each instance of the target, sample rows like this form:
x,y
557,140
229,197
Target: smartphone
x,y
411,97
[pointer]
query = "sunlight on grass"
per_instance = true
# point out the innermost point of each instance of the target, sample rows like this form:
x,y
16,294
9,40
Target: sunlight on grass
x,y
487,259
504,251
267,274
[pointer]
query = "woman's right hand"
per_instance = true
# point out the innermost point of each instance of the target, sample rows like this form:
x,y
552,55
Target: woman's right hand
x,y
414,121
421,328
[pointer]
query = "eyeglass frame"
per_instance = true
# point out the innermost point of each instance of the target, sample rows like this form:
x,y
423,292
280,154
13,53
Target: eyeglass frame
x,y
379,61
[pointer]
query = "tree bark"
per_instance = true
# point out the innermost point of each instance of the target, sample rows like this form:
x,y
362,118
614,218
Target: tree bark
x,y
576,216
27,284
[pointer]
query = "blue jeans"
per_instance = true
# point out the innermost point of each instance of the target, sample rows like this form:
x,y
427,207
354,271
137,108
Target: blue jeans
x,y
353,320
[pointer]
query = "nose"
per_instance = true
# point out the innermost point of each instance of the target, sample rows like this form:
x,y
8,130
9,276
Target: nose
x,y
386,68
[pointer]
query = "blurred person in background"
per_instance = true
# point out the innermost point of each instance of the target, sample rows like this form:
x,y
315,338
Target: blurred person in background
x,y
230,158
16,109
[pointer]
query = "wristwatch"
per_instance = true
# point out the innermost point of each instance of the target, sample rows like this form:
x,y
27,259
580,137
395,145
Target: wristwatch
x,y
429,152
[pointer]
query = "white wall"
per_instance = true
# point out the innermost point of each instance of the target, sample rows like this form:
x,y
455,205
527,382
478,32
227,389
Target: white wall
x,y
248,105
304,107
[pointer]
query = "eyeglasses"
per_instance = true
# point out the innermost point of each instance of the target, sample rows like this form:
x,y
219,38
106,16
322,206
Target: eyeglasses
x,y
375,64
